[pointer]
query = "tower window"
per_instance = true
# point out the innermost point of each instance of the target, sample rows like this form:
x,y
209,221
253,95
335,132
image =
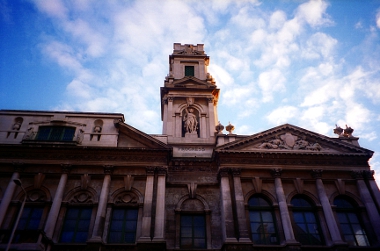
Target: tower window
x,y
55,133
189,70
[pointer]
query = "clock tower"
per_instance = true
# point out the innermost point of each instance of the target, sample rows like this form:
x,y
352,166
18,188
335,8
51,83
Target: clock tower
x,y
189,103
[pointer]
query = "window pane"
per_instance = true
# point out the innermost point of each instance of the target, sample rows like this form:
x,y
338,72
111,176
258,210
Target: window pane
x,y
123,225
362,240
76,224
353,218
189,70
254,216
68,134
267,216
298,217
193,231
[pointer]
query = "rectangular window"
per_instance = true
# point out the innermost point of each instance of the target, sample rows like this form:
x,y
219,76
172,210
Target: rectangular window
x,y
189,70
123,225
193,231
28,226
76,225
55,133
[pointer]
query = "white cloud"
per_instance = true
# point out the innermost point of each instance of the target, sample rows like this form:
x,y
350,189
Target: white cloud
x,y
319,45
378,19
313,12
54,8
282,115
271,82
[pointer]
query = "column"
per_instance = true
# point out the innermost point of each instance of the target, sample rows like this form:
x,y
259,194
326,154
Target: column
x,y
372,186
226,207
164,127
178,125
159,227
56,206
368,202
284,212
203,126
147,210
326,206
240,212
8,194
102,205
211,116
170,122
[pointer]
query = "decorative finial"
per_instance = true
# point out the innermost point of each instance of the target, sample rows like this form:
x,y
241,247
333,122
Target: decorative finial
x,y
219,128
338,130
230,128
348,131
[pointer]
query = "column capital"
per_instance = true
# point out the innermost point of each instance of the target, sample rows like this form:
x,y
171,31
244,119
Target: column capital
x,y
316,173
358,175
161,170
236,172
210,100
66,168
150,170
369,174
108,169
170,99
276,172
223,172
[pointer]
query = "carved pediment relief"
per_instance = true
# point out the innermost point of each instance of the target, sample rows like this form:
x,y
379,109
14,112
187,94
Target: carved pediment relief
x,y
289,138
288,141
192,82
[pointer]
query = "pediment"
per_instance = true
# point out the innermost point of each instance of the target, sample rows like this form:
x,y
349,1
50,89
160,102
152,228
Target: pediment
x,y
192,82
292,139
132,138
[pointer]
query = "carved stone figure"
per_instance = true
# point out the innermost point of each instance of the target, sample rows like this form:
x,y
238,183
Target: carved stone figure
x,y
29,134
190,120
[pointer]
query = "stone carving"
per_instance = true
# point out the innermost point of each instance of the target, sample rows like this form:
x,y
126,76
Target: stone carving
x,y
189,49
80,136
190,120
230,128
82,197
343,132
219,128
288,141
126,198
29,134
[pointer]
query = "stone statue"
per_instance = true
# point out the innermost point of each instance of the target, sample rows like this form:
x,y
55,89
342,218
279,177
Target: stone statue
x,y
190,120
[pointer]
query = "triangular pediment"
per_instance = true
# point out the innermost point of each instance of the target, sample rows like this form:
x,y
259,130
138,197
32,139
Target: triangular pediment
x,y
192,82
292,139
130,137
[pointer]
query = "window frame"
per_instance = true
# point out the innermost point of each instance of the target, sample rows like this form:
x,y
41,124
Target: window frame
x,y
89,221
306,211
189,71
268,208
125,209
353,210
59,133
204,237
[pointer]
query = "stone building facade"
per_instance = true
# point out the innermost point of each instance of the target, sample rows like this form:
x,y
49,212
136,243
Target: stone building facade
x,y
90,181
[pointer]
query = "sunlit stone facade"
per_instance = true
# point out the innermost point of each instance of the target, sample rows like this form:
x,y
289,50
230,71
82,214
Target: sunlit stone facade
x,y
90,181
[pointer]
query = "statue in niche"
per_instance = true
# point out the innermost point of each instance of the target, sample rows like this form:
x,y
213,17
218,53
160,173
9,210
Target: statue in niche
x,y
190,120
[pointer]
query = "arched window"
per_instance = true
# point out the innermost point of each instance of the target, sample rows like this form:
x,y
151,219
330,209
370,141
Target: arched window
x,y
263,227
352,228
306,223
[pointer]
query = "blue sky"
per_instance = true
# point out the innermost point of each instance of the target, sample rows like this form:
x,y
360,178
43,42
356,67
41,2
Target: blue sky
x,y
313,64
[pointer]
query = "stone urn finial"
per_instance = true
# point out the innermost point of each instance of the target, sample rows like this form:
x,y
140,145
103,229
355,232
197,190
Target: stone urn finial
x,y
219,128
230,128
338,130
348,132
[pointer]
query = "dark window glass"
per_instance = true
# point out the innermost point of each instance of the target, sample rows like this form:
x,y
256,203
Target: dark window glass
x,y
123,225
30,218
352,229
189,70
55,133
261,215
307,227
193,231
76,224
